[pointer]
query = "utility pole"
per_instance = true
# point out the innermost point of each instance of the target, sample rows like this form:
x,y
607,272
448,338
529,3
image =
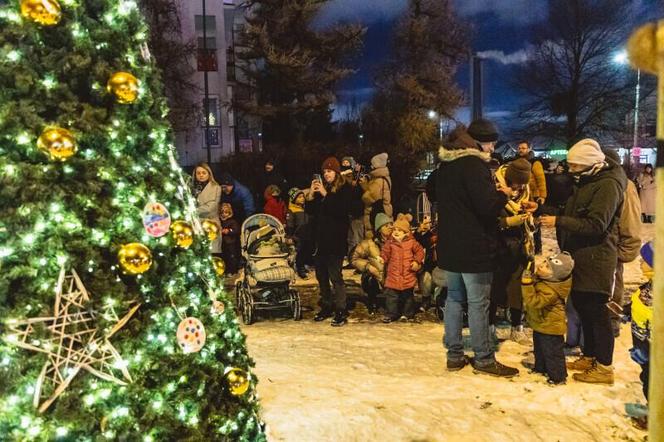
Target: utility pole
x,y
635,139
206,92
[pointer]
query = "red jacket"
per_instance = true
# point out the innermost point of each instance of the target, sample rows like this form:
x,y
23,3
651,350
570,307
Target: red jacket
x,y
398,257
275,207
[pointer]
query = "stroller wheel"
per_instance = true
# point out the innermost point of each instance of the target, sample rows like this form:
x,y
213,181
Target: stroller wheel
x,y
247,309
238,288
296,306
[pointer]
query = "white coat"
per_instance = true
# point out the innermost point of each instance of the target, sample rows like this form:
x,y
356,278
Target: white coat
x,y
207,204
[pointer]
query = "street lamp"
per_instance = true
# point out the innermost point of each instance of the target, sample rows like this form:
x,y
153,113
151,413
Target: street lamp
x,y
622,59
433,115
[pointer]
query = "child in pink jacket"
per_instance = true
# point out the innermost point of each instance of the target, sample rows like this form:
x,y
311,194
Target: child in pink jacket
x,y
403,257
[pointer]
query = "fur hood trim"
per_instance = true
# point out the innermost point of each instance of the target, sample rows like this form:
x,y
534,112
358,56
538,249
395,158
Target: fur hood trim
x,y
446,155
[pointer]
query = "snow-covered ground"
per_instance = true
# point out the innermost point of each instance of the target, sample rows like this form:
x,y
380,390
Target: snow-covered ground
x,y
370,381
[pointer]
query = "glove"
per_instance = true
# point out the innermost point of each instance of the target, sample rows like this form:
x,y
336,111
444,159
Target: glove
x,y
516,220
527,275
415,266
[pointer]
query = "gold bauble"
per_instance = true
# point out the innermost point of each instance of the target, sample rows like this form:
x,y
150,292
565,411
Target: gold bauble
x,y
44,12
57,142
124,86
135,258
182,233
219,266
238,381
211,228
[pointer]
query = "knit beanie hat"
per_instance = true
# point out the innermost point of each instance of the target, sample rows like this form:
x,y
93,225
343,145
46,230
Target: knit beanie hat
x,y
586,152
350,160
403,222
562,265
459,139
648,253
483,131
379,160
226,179
518,172
293,193
331,163
381,220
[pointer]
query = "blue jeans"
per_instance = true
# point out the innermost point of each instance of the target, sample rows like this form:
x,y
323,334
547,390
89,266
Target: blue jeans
x,y
475,289
574,330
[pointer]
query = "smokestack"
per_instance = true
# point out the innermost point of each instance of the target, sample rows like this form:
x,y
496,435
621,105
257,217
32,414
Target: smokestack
x,y
476,87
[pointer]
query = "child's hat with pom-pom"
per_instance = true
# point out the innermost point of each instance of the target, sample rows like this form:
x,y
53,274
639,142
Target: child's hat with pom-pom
x,y
403,222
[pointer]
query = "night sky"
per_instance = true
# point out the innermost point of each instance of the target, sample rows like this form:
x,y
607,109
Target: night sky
x,y
500,30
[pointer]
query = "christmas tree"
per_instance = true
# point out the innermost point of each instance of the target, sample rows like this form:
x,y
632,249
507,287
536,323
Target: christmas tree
x,y
114,324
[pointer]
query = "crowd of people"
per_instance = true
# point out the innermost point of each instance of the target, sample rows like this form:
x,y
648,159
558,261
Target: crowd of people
x,y
484,251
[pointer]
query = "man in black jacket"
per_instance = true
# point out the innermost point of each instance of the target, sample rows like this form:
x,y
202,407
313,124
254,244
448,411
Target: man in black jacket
x,y
589,231
468,209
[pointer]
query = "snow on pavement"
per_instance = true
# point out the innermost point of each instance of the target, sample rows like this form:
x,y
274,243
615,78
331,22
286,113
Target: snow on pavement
x,y
371,381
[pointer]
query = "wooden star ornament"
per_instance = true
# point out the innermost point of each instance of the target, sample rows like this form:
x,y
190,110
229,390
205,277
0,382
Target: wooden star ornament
x,y
74,341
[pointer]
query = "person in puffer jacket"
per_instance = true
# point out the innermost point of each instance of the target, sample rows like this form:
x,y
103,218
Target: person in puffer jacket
x,y
298,230
366,259
403,257
274,205
544,298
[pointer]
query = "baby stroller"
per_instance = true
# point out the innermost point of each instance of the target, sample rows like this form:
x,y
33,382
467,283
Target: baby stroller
x,y
267,272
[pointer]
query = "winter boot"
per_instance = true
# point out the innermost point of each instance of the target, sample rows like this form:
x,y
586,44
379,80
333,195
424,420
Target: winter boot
x,y
457,364
339,319
520,337
583,363
529,363
495,368
598,374
322,315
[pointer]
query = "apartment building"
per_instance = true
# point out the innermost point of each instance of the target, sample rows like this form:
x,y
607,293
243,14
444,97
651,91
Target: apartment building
x,y
228,132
